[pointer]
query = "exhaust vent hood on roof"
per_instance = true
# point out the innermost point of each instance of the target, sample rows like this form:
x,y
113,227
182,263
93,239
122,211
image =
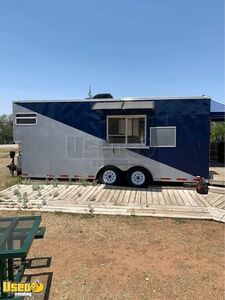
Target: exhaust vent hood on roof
x,y
103,96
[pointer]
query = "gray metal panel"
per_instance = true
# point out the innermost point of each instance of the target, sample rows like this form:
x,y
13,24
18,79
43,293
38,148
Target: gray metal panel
x,y
138,105
107,105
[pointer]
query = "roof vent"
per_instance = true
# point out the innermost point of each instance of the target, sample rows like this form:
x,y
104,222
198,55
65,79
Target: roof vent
x,y
103,96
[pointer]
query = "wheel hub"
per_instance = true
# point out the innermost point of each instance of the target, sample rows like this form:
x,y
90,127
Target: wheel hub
x,y
109,176
138,178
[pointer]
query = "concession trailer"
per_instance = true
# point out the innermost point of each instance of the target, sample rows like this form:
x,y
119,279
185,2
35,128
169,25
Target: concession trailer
x,y
139,140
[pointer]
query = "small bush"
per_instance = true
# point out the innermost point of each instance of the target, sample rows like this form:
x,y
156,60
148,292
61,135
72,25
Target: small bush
x,y
17,193
56,194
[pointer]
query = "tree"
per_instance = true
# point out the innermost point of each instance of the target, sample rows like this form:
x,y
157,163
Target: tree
x,y
217,131
6,129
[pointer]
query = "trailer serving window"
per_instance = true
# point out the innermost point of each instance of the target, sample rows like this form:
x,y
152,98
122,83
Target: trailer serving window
x,y
163,136
126,130
26,119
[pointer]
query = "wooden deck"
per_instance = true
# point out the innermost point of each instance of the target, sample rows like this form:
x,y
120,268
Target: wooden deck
x,y
154,201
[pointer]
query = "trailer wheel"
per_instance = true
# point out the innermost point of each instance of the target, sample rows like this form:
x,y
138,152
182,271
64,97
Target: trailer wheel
x,y
109,175
138,177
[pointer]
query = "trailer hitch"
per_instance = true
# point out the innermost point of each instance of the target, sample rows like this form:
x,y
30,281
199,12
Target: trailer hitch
x,y
12,167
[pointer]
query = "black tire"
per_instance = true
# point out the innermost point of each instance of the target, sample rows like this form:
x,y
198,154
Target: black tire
x,y
109,175
138,177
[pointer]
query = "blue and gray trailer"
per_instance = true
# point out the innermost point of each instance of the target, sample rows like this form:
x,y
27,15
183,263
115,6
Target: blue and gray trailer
x,y
139,140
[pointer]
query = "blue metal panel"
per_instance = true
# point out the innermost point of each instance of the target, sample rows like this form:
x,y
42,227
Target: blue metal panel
x,y
192,121
191,118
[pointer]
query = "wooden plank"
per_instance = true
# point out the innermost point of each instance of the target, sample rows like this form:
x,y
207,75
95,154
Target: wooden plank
x,y
12,196
166,197
27,190
121,195
155,200
160,197
192,201
132,196
74,192
127,196
98,196
116,195
170,211
79,194
40,194
172,197
66,193
70,191
110,195
210,196
95,193
45,190
149,197
184,198
144,197
9,189
57,190
203,199
222,205
213,199
219,201
138,196
87,194
103,194
217,197
196,199
178,197
216,213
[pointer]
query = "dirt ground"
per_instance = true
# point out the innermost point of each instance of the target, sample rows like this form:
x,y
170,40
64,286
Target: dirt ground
x,y
115,257
105,257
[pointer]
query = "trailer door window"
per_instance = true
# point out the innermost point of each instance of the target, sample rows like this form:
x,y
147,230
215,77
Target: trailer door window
x,y
26,119
126,129
163,136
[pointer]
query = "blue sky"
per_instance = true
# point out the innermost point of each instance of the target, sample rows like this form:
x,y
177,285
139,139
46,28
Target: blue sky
x,y
54,49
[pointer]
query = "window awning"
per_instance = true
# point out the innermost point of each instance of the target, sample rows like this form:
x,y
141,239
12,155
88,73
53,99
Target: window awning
x,y
124,105
107,105
138,105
